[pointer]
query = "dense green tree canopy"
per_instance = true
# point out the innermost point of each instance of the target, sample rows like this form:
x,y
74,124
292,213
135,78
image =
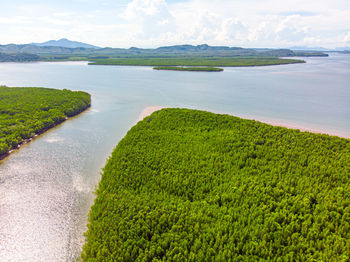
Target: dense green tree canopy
x,y
187,185
25,112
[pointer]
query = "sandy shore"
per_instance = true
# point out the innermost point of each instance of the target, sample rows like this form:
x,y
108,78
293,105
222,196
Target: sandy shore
x,y
303,128
274,122
148,111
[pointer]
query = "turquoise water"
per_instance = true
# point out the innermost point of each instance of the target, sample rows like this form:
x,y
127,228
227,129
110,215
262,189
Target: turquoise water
x,y
46,187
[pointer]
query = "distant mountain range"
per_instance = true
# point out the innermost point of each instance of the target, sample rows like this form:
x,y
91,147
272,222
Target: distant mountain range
x,y
65,49
345,48
66,46
308,48
65,43
80,49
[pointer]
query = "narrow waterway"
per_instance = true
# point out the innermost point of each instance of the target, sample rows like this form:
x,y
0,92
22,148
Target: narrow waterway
x,y
46,187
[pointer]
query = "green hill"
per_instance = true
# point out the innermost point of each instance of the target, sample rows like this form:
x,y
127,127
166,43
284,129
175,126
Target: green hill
x,y
19,57
187,185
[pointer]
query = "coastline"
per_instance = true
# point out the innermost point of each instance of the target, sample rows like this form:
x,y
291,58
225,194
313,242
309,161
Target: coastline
x,y
188,69
26,141
302,128
274,122
148,111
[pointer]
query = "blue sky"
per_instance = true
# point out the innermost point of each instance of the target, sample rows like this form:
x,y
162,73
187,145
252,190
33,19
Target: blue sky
x,y
153,23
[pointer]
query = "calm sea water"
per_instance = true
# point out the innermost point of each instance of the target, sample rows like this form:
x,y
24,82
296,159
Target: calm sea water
x,y
46,187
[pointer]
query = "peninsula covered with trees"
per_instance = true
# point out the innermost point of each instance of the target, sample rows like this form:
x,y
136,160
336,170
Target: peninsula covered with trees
x,y
25,112
188,185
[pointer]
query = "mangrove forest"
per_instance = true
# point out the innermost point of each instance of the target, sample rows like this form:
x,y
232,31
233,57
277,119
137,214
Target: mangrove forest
x,y
27,111
189,185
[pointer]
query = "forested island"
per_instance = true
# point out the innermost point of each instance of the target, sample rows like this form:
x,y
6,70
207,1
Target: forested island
x,y
196,61
188,185
192,69
25,112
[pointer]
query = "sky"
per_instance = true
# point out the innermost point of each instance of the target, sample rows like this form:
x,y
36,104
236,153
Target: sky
x,y
154,23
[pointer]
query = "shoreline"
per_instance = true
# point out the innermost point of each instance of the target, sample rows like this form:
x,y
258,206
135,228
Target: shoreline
x,y
147,111
273,122
302,128
26,141
188,68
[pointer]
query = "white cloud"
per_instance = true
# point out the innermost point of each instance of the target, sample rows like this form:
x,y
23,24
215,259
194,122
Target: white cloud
x,y
152,18
151,23
289,30
347,38
145,7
